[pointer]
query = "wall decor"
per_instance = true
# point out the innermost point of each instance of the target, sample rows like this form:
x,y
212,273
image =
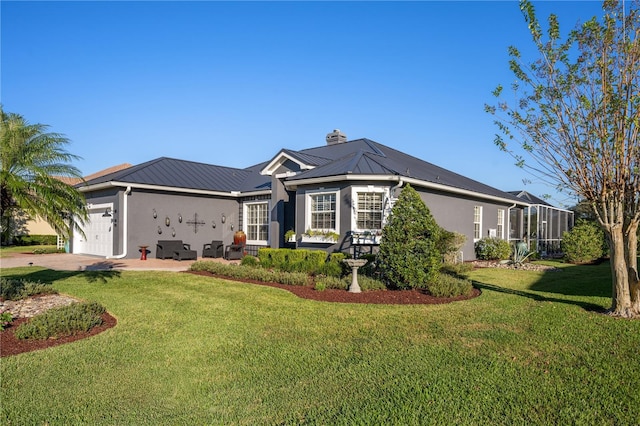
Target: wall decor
x,y
213,223
223,219
195,223
173,232
155,214
179,218
159,230
167,221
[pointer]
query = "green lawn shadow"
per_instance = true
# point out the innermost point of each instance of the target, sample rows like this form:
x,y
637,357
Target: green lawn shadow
x,y
591,307
49,276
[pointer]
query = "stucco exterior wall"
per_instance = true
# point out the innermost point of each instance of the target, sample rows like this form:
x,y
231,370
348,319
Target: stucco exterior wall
x,y
145,229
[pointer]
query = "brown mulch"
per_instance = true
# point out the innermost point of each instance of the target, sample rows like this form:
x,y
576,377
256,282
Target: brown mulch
x,y
9,345
390,297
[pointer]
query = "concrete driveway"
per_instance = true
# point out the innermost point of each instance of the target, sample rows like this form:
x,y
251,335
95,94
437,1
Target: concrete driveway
x,y
78,262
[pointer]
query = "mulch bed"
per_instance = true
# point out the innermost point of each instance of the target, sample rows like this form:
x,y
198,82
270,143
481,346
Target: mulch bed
x,y
390,297
9,345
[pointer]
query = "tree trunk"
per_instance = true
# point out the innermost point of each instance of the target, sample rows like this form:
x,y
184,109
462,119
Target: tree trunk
x,y
621,298
632,266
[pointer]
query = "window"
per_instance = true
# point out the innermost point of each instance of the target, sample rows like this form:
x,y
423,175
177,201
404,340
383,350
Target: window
x,y
257,221
369,210
323,211
500,232
477,222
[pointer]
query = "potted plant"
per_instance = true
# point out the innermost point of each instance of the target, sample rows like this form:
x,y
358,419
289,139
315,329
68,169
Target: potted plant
x,y
290,236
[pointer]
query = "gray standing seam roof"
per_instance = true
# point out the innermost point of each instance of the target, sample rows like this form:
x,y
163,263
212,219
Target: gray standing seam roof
x,y
357,157
175,173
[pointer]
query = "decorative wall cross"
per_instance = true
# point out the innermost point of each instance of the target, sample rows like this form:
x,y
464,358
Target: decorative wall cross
x,y
195,223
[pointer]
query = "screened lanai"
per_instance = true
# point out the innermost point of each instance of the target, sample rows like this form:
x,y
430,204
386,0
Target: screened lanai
x,y
540,225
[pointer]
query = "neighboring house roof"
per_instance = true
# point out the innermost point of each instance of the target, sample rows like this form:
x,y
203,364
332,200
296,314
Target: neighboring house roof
x,y
529,198
174,173
74,181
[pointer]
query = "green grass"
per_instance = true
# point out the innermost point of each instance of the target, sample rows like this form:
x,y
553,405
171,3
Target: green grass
x,y
197,350
6,250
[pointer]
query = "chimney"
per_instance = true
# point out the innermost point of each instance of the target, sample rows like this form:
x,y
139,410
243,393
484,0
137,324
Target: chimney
x,y
336,137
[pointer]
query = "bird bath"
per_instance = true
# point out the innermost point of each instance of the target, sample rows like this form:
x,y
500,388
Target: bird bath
x,y
355,264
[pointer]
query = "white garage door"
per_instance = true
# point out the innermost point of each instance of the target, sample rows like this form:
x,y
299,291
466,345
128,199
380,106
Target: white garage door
x,y
99,236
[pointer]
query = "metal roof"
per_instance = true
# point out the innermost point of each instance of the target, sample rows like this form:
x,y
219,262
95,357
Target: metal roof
x,y
358,157
170,172
366,157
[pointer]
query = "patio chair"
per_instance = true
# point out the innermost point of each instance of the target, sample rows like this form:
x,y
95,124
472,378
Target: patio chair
x,y
215,249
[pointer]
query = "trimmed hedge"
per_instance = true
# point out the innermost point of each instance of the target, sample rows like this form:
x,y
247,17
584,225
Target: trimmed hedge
x,y
36,240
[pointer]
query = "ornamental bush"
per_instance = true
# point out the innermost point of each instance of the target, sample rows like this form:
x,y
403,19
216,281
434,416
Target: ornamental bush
x,y
409,255
446,285
16,289
584,243
492,249
62,321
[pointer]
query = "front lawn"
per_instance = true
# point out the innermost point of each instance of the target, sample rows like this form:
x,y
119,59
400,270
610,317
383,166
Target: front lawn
x,y
197,350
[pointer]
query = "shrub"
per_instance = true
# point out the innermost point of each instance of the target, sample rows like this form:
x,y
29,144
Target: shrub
x,y
460,270
250,261
492,249
5,320
367,283
446,285
62,321
320,286
13,289
409,256
36,240
450,244
251,273
584,243
332,269
331,282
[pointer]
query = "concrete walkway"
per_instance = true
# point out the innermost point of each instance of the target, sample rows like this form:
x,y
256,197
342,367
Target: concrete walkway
x,y
78,262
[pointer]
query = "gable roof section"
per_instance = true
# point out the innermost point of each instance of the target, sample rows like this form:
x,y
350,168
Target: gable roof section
x,y
187,175
305,161
529,198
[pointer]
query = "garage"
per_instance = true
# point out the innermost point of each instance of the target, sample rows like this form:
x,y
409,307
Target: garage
x,y
98,231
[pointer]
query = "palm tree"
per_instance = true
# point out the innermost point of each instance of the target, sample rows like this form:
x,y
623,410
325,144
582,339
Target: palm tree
x,y
32,162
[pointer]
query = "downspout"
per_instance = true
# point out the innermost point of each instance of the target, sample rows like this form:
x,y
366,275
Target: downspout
x,y
125,226
399,185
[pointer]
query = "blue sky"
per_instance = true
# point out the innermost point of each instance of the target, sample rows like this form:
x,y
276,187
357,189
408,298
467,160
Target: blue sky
x,y
231,83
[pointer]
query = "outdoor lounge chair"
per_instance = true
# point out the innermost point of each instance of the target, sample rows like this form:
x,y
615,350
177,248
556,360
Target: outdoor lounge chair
x,y
175,249
215,249
234,252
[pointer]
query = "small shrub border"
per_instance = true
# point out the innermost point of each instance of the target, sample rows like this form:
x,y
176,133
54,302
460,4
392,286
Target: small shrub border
x,y
251,273
12,289
62,321
5,320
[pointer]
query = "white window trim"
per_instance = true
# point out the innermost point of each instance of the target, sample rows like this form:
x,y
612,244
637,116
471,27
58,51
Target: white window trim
x,y
307,208
501,223
245,221
354,204
480,224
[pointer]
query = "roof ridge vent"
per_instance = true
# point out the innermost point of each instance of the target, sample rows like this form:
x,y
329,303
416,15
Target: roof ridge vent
x,y
336,137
